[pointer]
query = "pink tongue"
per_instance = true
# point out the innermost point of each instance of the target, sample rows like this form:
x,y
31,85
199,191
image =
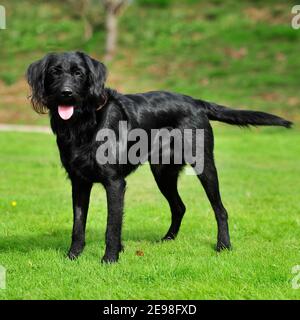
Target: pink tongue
x,y
65,112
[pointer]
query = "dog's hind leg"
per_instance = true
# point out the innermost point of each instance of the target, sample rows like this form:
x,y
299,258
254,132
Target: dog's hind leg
x,y
210,183
166,177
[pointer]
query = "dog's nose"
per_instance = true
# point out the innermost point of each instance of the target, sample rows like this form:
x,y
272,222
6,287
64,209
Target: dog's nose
x,y
66,92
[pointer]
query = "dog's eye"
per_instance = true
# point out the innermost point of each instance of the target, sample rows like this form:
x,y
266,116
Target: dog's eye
x,y
55,72
77,73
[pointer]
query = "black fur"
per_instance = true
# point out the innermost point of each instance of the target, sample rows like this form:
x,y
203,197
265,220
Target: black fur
x,y
98,107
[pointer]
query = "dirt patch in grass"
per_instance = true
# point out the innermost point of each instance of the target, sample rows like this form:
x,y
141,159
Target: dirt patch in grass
x,y
276,14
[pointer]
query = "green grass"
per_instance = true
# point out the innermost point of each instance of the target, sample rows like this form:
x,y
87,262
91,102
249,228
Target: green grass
x,y
259,176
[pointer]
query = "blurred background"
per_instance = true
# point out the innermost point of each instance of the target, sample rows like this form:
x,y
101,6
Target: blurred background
x,y
239,53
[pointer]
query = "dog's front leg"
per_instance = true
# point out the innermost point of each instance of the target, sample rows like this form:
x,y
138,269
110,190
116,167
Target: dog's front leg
x,y
81,191
115,201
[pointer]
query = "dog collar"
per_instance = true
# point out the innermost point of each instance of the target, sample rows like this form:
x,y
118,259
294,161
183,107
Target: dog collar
x,y
102,105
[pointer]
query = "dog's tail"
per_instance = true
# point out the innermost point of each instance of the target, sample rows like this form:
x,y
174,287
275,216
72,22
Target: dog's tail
x,y
241,117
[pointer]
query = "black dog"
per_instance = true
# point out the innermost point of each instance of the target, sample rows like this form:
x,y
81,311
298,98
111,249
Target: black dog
x,y
71,86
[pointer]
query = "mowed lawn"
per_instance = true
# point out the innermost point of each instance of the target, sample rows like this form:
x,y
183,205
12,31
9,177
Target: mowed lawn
x,y
259,176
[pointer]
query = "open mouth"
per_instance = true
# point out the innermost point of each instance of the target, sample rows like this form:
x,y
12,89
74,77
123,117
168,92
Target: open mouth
x,y
65,112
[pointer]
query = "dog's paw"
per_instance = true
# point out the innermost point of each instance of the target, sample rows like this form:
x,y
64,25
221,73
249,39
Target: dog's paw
x,y
223,246
108,259
168,237
74,253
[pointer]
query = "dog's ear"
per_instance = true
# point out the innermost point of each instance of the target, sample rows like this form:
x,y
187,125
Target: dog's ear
x,y
36,73
97,74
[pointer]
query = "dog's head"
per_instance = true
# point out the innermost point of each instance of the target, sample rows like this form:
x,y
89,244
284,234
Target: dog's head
x,y
66,84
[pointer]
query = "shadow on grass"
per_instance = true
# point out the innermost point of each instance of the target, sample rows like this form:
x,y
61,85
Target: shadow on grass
x,y
60,240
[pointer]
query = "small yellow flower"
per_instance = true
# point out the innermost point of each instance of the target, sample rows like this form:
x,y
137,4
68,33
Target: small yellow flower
x,y
14,203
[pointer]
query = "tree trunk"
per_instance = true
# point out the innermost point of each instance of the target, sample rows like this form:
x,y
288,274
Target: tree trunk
x,y
111,34
88,29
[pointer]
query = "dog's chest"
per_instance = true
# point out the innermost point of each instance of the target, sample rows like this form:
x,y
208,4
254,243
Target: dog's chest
x,y
78,158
